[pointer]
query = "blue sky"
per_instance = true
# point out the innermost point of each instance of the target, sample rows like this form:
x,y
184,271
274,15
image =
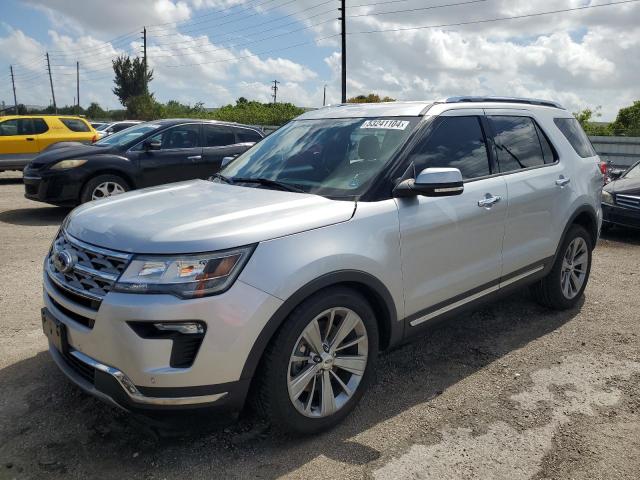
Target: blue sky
x,y
224,52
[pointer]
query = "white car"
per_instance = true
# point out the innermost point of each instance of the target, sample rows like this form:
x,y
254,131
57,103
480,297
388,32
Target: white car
x,y
107,129
342,234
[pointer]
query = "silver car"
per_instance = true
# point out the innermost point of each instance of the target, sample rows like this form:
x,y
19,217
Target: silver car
x,y
342,234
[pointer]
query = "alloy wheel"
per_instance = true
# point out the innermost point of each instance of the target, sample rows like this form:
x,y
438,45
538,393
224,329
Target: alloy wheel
x,y
328,362
106,189
574,267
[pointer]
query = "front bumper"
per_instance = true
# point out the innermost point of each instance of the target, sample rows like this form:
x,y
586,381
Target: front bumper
x,y
108,359
59,188
626,217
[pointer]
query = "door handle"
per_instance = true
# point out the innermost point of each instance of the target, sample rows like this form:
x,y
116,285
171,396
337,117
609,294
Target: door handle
x,y
30,139
193,158
562,181
489,201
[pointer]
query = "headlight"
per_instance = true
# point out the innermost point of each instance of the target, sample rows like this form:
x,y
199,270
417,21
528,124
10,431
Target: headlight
x,y
607,197
188,276
67,164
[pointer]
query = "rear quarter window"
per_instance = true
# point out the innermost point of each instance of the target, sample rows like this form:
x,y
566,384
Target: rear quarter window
x,y
75,125
571,129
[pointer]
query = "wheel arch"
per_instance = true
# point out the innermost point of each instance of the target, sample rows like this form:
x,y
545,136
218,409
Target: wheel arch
x,y
586,217
108,171
391,331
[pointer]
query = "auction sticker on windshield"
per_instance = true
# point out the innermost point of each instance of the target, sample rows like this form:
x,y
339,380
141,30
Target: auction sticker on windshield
x,y
386,124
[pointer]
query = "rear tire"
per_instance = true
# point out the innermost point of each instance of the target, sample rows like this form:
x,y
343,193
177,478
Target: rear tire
x,y
564,285
103,186
305,389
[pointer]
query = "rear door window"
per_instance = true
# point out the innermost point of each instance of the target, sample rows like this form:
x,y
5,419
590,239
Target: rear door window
x,y
571,129
218,136
244,135
517,143
75,125
457,142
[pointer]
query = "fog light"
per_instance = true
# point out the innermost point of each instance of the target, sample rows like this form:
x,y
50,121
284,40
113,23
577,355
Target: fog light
x,y
186,328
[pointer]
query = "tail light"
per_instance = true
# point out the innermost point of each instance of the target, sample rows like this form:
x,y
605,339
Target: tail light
x,y
603,168
94,139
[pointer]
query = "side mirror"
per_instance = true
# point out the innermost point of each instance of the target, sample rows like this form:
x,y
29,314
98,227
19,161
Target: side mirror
x,y
432,182
227,160
615,174
152,145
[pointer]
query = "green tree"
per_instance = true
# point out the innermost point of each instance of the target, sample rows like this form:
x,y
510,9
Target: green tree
x,y
130,78
586,116
144,107
96,112
256,113
371,98
628,121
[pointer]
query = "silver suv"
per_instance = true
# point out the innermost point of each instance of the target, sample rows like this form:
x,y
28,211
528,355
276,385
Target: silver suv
x,y
342,234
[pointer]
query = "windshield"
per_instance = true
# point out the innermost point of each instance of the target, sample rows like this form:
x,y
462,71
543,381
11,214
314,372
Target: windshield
x,y
330,157
128,135
633,172
102,127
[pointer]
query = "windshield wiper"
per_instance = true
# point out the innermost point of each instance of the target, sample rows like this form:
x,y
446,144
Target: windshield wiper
x,y
269,183
219,176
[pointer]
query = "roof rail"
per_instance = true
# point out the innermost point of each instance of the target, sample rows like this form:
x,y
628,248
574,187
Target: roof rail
x,y
528,101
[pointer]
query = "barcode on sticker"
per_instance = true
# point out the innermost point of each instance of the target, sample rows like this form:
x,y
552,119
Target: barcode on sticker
x,y
388,124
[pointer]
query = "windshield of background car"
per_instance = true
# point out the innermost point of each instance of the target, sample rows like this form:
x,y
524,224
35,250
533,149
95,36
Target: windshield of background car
x,y
633,172
127,136
330,157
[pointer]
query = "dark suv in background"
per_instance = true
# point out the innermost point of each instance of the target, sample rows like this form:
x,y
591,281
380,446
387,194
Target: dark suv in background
x,y
145,155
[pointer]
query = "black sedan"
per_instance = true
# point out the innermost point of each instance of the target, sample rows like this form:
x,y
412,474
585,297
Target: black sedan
x,y
621,199
148,154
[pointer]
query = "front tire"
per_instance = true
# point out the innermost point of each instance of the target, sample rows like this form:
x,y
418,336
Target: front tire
x,y
103,186
320,362
564,285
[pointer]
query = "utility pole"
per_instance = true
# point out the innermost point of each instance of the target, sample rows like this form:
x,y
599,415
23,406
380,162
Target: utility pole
x,y
324,96
13,83
78,85
343,22
53,95
144,56
275,90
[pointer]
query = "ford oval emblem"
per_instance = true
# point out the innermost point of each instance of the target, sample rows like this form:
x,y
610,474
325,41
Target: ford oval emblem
x,y
64,261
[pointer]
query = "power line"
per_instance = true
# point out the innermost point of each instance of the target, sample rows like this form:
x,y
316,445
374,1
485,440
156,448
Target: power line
x,y
252,27
189,23
431,7
244,44
231,59
489,20
239,19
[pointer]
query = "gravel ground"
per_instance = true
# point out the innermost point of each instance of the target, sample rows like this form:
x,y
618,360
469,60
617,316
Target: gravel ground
x,y
511,391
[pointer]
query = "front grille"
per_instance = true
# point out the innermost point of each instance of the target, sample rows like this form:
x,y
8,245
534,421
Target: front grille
x,y
81,319
628,201
94,272
84,370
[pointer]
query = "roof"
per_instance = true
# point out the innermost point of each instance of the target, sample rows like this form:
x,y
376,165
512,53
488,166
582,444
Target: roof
x,y
351,110
416,108
31,115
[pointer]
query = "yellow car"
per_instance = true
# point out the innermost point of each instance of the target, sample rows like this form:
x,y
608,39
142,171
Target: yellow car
x,y
22,137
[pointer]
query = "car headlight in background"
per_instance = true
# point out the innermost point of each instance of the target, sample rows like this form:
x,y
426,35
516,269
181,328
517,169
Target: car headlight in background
x,y
607,197
67,164
185,276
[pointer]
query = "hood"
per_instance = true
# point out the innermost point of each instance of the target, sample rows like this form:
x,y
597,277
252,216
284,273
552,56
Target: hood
x,y
200,216
629,186
66,150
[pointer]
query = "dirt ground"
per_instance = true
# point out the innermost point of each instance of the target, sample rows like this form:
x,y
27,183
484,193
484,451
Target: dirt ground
x,y
511,391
